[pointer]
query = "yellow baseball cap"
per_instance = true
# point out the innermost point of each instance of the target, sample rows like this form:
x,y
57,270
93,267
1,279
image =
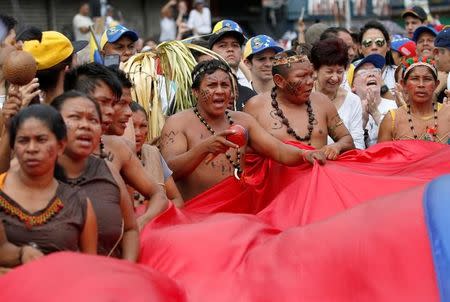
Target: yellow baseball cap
x,y
53,48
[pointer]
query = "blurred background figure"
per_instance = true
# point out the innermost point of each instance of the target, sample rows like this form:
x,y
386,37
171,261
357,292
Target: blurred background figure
x,y
413,18
81,23
200,18
168,23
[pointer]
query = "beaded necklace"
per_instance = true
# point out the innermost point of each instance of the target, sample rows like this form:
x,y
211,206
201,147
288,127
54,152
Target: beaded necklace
x,y
285,121
433,131
236,164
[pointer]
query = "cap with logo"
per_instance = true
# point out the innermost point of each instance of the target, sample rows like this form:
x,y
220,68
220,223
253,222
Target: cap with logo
x,y
376,59
53,48
443,38
116,32
422,29
260,43
226,27
404,46
415,11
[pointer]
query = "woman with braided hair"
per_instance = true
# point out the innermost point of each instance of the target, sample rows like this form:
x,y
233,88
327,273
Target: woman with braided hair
x,y
194,141
421,118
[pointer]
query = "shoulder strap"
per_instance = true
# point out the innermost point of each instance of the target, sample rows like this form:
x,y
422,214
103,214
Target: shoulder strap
x,y
392,112
2,180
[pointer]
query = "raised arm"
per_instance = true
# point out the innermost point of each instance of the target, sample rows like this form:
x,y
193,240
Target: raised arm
x,y
181,160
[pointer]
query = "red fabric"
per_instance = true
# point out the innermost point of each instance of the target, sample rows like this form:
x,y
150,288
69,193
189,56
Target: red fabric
x,y
309,233
76,277
352,230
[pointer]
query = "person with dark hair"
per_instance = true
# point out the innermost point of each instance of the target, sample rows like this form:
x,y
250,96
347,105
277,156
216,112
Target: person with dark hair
x,y
258,55
330,60
81,23
343,34
37,209
117,228
292,111
122,111
29,33
421,118
152,159
9,23
54,55
227,40
374,38
102,84
200,56
413,18
194,142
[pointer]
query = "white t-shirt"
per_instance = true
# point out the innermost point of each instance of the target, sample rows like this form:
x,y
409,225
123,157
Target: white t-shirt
x,y
384,106
351,114
200,23
78,22
168,29
243,80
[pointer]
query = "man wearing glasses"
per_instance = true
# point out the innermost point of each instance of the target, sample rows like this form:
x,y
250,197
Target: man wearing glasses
x,y
366,84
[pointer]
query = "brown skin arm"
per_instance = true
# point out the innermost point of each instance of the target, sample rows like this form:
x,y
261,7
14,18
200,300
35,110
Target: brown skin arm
x,y
337,130
174,148
265,144
11,255
5,151
88,237
130,241
134,174
173,193
385,129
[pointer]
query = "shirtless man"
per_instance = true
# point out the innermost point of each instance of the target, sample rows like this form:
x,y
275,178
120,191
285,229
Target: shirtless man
x,y
103,86
194,141
293,112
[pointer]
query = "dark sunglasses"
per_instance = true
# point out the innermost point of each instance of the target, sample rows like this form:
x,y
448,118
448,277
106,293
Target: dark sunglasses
x,y
378,41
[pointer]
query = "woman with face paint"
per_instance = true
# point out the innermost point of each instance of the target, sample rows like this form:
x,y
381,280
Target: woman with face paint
x,y
117,228
37,210
421,118
330,60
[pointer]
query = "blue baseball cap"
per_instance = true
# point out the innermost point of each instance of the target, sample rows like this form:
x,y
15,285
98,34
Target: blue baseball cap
x,y
404,46
443,38
226,27
260,43
421,29
114,33
377,60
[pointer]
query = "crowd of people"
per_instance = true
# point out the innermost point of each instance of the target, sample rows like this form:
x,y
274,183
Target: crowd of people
x,y
80,175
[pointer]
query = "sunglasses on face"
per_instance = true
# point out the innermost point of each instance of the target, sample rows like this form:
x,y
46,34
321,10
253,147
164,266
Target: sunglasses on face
x,y
378,42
